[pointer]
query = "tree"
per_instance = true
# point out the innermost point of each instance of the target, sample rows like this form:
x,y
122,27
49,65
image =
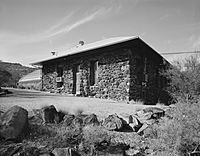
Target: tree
x,y
5,77
184,78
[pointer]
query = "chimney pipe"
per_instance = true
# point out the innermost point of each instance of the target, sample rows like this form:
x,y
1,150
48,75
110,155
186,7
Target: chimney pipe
x,y
53,53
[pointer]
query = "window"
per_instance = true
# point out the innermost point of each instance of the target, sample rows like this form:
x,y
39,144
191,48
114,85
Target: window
x,y
59,71
93,72
59,76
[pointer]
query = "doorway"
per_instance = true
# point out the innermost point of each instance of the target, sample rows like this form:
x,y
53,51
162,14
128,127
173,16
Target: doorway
x,y
76,80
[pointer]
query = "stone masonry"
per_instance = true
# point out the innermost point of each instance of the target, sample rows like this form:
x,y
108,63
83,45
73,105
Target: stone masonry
x,y
122,74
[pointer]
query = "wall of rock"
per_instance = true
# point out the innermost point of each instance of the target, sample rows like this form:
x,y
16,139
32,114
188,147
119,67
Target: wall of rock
x,y
151,90
49,77
145,76
68,78
123,74
113,75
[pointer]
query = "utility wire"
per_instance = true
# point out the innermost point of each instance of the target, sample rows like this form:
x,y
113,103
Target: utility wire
x,y
184,52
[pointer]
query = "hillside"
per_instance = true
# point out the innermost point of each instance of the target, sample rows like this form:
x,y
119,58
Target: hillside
x,y
12,72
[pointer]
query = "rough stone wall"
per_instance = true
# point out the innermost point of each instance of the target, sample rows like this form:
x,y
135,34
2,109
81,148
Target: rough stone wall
x,y
68,78
136,77
49,77
144,78
114,77
121,76
84,70
151,89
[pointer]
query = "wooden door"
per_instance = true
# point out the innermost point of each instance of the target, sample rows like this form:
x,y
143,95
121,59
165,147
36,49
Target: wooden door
x,y
76,80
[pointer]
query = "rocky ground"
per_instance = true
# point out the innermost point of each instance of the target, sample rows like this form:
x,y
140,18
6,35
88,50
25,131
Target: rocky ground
x,y
49,131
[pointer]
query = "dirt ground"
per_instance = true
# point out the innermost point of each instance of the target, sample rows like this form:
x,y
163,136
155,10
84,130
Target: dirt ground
x,y
35,99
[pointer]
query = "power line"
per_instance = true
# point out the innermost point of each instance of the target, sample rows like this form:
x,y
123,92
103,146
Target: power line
x,y
184,52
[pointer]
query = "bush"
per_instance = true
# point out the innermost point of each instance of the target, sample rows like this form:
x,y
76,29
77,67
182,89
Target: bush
x,y
184,78
71,136
180,135
94,137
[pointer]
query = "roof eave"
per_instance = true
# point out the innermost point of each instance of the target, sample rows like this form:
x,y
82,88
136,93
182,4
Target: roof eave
x,y
39,63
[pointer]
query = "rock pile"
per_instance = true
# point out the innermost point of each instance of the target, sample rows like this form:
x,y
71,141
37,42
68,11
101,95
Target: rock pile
x,y
14,125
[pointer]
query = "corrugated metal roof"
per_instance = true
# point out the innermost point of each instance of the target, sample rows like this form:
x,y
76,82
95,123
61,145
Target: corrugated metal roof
x,y
33,76
90,46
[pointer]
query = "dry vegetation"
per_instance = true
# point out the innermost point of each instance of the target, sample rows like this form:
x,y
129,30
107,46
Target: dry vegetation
x,y
176,134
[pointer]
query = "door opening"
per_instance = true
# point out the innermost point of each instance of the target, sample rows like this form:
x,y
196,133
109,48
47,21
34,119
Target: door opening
x,y
76,80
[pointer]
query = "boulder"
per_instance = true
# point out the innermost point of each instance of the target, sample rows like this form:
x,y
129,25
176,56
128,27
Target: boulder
x,y
113,122
48,114
150,121
131,152
91,120
14,123
156,112
68,118
134,123
77,121
35,116
59,117
142,117
150,113
144,126
64,152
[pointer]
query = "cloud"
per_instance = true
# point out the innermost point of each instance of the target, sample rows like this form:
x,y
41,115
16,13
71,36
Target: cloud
x,y
165,16
60,23
90,17
63,26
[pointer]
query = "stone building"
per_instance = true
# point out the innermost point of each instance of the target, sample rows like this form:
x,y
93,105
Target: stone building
x,y
32,80
121,68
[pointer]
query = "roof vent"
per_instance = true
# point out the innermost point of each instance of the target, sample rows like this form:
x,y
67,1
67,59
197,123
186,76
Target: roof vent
x,y
53,53
81,43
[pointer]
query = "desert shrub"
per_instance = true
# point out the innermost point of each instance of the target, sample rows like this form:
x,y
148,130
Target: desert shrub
x,y
94,137
184,79
71,136
53,136
37,130
180,135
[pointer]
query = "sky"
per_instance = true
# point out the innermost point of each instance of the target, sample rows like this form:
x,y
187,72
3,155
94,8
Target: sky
x,y
31,29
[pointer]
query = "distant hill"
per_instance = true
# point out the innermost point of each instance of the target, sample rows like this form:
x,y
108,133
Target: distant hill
x,y
12,72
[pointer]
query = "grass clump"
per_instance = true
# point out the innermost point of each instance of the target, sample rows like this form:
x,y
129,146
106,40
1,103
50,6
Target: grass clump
x,y
94,137
179,135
